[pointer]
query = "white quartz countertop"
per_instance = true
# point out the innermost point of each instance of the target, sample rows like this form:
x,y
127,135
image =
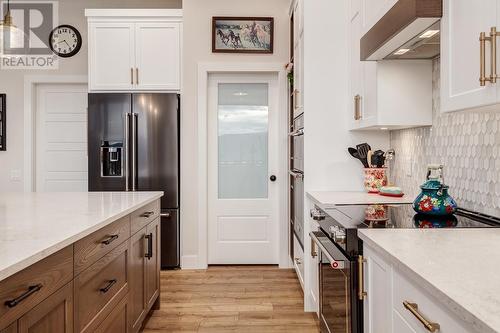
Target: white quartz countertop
x,y
331,199
35,225
460,267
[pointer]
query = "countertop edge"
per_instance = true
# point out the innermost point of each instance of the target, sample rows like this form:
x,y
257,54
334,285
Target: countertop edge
x,y
453,306
40,255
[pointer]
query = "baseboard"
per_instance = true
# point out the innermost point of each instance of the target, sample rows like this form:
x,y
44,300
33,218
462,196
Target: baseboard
x,y
190,262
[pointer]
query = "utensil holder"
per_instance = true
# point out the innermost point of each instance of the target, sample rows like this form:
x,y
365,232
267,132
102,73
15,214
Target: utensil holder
x,y
375,178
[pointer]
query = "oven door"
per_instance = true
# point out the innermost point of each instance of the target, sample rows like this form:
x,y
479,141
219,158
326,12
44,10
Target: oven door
x,y
335,281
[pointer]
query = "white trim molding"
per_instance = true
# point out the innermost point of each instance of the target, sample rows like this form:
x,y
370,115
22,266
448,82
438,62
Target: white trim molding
x,y
204,70
30,83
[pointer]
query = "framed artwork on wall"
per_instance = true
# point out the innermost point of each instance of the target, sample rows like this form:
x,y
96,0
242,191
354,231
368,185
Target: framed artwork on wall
x,y
242,34
3,122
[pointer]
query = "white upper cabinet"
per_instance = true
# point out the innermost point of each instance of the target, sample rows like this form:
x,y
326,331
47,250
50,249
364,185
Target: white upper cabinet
x,y
158,56
374,10
462,23
390,94
107,70
134,50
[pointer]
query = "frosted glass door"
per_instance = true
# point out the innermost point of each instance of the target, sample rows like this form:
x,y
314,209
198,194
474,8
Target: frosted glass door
x,y
243,169
243,118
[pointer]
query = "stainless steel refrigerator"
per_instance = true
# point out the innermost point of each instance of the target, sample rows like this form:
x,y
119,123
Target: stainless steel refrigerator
x,y
133,145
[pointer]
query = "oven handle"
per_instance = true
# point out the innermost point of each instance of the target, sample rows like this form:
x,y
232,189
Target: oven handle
x,y
313,236
299,132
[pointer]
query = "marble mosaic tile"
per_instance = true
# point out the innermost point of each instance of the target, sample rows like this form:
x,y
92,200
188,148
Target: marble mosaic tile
x,y
466,142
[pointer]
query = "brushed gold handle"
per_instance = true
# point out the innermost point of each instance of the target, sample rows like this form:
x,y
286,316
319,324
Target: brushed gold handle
x,y
361,283
314,252
413,308
482,59
137,76
493,39
131,76
357,107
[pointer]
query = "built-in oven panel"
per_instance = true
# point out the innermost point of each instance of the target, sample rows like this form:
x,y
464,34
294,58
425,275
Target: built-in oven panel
x,y
298,144
297,180
336,282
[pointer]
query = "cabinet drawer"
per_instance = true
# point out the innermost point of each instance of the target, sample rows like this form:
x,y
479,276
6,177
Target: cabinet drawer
x,y
143,216
100,287
298,260
95,246
430,309
117,320
29,287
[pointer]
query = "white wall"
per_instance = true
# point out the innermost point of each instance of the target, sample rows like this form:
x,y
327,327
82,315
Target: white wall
x,y
11,82
197,48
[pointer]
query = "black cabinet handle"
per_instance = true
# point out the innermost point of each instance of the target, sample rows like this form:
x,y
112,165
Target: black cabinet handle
x,y
110,284
31,290
273,178
147,214
149,254
110,240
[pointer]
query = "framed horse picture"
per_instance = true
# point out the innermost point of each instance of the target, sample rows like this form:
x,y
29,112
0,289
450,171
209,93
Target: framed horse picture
x,y
242,34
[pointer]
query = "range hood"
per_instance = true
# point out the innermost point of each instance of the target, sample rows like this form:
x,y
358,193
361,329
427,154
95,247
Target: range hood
x,y
409,30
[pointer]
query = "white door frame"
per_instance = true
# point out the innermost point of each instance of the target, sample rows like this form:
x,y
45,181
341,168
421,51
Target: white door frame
x,y
204,70
30,84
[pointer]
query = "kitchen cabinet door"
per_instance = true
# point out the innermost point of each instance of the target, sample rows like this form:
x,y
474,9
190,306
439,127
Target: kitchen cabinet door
x,y
152,263
137,272
111,56
373,11
461,25
158,56
12,328
53,315
356,69
378,286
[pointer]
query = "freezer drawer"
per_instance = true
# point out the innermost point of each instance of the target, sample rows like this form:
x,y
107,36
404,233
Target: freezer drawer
x,y
170,240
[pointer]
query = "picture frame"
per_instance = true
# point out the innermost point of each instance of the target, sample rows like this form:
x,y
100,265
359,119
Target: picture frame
x,y
3,122
250,35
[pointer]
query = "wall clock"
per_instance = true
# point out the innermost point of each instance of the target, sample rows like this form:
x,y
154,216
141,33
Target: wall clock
x,y
65,41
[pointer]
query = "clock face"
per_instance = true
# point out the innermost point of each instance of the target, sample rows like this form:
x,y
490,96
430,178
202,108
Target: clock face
x,y
65,41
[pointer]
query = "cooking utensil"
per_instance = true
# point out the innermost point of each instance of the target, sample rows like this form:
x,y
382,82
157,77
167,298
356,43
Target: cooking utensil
x,y
363,150
369,157
378,159
354,153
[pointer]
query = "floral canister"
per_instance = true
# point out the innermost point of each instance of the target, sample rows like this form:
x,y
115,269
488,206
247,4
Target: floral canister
x,y
375,178
434,198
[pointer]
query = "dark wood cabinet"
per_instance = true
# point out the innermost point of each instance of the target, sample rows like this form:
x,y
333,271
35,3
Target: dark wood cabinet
x,y
153,263
53,315
12,328
106,282
117,320
137,292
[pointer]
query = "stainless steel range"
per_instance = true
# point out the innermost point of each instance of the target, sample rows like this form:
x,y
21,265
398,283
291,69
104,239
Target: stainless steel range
x,y
340,253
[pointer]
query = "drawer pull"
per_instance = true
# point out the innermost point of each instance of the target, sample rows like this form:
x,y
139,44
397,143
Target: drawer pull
x,y
413,308
147,214
149,254
361,274
31,291
110,240
110,284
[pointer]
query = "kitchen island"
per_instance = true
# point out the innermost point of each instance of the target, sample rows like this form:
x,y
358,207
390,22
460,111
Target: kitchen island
x,y
78,262
450,277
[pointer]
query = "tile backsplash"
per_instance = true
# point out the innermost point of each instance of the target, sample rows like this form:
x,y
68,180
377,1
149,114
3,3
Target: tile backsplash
x,y
466,142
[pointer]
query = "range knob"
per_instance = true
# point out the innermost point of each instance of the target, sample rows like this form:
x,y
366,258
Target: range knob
x,y
317,215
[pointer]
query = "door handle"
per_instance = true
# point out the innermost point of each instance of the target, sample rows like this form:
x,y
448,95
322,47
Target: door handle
x,y
273,178
361,283
137,76
127,144
357,107
131,76
149,254
134,152
166,215
482,57
296,174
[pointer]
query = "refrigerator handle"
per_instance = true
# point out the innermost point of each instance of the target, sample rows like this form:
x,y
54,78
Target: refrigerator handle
x,y
127,143
134,151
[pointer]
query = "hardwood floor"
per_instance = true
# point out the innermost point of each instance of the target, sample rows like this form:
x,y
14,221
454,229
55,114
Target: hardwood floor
x,y
256,299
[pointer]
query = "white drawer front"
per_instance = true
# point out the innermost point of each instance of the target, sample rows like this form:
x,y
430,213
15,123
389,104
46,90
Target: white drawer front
x,y
298,262
428,308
